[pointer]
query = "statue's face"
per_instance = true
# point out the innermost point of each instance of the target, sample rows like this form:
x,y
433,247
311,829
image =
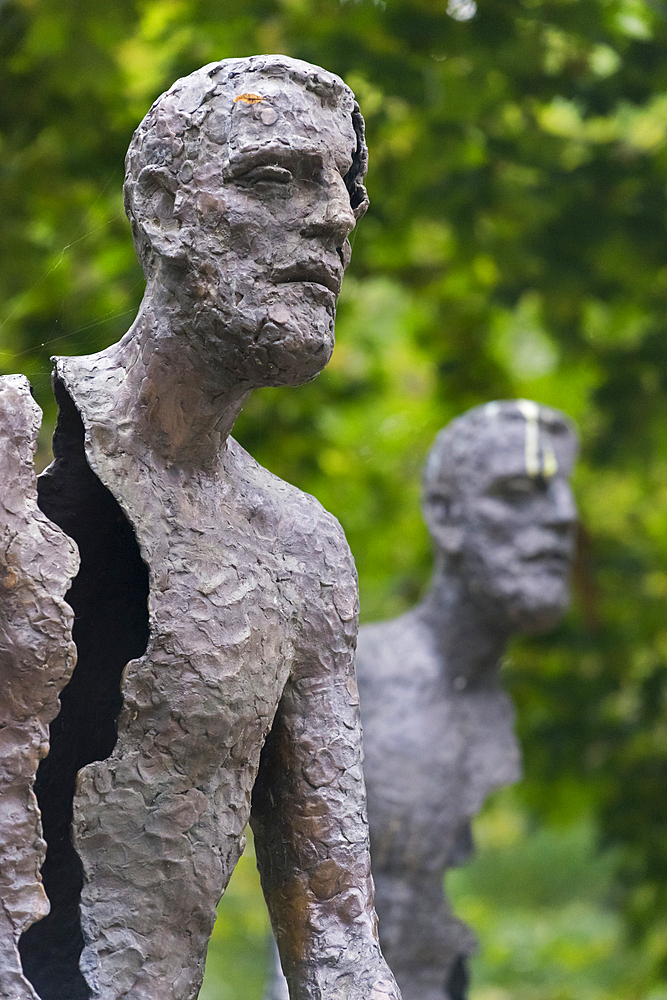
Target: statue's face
x,y
265,218
519,525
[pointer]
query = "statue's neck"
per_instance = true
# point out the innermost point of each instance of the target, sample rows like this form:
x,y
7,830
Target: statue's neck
x,y
469,644
180,406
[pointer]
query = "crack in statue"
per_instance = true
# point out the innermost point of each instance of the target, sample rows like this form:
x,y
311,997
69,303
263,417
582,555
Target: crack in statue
x,y
239,700
438,729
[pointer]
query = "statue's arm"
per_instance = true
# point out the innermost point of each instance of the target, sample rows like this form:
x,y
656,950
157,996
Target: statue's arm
x,y
309,821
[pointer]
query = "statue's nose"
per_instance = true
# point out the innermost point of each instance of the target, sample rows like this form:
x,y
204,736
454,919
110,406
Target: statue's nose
x,y
562,508
332,218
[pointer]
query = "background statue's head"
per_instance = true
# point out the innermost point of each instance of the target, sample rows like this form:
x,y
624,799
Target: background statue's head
x,y
498,505
243,184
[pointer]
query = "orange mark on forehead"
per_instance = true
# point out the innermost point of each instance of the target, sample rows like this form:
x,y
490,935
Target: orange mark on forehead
x,y
249,98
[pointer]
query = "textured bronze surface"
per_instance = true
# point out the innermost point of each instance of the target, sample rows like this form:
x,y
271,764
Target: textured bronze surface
x,y
37,655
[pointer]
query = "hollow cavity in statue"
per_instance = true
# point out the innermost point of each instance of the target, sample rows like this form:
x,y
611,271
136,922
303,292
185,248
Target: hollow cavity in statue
x,y
215,608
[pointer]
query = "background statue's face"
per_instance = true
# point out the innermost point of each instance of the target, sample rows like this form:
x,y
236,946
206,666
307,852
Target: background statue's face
x,y
261,219
517,528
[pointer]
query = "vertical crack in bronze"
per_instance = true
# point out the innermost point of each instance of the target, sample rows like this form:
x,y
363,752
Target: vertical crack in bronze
x,y
109,597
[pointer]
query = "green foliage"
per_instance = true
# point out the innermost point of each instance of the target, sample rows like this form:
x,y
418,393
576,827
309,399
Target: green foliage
x,y
515,246
541,903
541,900
238,956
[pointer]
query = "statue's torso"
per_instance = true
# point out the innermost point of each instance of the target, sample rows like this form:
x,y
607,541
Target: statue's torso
x,y
432,752
243,570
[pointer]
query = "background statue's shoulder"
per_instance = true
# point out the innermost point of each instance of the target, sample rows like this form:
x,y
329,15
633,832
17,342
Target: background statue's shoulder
x,y
395,649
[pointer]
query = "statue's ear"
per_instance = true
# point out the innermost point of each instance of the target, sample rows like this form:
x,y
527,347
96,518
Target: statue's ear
x,y
153,197
443,520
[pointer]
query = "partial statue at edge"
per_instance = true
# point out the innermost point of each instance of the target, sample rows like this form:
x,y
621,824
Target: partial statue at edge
x,y
215,607
438,729
37,656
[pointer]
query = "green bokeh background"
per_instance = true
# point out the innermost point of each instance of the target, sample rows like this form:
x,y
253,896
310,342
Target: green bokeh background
x,y
516,245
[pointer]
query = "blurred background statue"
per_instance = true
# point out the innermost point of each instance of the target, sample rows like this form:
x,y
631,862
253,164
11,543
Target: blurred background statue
x,y
438,729
215,607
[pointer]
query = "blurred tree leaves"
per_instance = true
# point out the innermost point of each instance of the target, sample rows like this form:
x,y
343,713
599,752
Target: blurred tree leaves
x,y
515,246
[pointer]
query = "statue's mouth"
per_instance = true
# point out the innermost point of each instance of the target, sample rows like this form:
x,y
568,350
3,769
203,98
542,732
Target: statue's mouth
x,y
555,557
315,272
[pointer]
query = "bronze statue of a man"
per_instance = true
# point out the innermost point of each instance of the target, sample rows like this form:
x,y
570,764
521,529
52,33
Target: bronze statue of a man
x,y
438,733
215,608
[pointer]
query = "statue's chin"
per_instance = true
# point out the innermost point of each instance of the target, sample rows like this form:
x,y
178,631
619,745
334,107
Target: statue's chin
x,y
286,339
292,360
542,606
528,603
295,339
283,356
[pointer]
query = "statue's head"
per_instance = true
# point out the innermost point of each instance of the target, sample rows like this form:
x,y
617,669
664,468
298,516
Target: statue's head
x,y
243,184
498,505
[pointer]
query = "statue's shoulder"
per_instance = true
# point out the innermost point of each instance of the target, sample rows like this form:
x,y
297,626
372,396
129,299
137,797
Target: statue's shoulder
x,y
301,524
307,544
398,652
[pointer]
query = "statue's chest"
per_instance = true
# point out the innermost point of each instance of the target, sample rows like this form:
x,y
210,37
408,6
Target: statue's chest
x,y
225,598
431,734
439,731
450,750
221,575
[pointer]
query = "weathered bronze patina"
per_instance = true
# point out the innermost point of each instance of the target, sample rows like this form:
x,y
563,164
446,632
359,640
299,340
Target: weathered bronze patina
x,y
215,605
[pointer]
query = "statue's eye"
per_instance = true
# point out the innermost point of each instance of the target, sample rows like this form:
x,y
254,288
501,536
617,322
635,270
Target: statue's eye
x,y
266,174
515,487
